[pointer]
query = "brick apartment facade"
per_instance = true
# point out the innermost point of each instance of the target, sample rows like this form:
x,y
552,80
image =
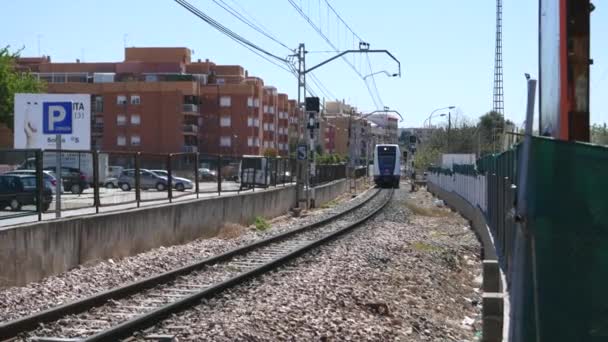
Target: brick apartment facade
x,y
159,101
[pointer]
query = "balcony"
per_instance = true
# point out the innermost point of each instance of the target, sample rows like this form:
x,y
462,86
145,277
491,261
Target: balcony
x,y
190,109
97,129
97,107
190,129
189,149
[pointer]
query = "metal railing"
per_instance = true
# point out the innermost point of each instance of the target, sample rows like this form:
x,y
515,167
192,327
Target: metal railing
x,y
190,108
93,180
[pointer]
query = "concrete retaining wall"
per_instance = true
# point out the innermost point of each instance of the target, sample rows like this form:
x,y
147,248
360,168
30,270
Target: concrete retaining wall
x,y
31,252
495,318
327,192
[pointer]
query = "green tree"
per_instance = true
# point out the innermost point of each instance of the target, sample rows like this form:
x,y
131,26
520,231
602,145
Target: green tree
x,y
599,134
270,153
426,157
13,81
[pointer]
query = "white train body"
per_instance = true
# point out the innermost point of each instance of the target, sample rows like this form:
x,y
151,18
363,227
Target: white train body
x,y
387,165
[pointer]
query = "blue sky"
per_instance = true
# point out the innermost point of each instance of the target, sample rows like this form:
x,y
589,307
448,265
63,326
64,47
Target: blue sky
x,y
446,47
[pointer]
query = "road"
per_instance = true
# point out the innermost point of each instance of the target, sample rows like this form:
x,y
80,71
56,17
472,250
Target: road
x,y
114,200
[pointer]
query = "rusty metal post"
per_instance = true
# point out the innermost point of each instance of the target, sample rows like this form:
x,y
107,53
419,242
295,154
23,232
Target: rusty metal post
x,y
196,175
137,190
40,183
96,200
219,175
170,177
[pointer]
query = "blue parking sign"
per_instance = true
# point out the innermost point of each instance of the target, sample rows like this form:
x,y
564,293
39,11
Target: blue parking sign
x,y
302,152
57,117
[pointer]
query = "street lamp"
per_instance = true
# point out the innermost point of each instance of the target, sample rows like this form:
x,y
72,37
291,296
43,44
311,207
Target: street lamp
x,y
380,72
431,117
436,110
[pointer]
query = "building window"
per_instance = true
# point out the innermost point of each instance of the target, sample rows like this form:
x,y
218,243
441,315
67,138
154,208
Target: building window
x,y
225,121
135,100
252,122
225,101
99,120
271,127
225,141
121,120
271,110
121,100
256,103
250,141
121,140
265,109
98,104
135,119
220,81
135,140
250,101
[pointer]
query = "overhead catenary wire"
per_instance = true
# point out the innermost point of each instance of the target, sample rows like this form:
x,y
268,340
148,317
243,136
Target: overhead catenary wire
x,y
369,63
317,28
249,23
280,62
223,29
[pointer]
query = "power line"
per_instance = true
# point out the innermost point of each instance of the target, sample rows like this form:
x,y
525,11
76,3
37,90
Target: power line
x,y
327,40
371,71
336,48
223,29
240,17
342,20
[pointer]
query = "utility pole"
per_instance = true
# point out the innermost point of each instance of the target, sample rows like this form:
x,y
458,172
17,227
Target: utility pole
x,y
303,167
302,71
449,128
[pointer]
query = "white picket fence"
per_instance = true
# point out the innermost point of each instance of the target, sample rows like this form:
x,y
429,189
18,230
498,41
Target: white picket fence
x,y
471,188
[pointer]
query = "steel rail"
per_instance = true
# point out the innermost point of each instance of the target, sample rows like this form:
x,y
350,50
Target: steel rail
x,y
127,328
13,328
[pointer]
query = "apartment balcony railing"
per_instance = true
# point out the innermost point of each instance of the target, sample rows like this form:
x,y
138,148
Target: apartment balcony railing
x,y
189,149
190,108
192,129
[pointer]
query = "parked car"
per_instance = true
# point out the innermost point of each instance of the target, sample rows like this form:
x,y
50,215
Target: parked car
x,y
114,171
179,183
48,176
206,175
147,180
19,190
111,183
73,179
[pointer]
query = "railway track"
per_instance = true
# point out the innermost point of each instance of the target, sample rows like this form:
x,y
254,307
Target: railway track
x,y
120,312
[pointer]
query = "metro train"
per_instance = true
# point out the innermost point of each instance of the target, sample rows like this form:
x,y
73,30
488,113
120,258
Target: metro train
x,y
387,165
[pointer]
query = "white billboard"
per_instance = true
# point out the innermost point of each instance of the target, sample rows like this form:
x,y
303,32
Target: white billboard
x,y
40,117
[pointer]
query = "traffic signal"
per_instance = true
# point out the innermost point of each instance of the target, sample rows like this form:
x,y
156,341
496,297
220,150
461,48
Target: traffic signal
x,y
312,104
404,155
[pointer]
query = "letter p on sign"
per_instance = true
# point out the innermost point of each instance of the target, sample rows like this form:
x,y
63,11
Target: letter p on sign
x,y
57,117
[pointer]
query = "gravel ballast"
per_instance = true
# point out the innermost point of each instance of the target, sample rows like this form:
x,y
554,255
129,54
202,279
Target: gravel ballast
x,y
410,274
86,280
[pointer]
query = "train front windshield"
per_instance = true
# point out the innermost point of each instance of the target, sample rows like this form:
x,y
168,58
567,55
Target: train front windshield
x,y
386,159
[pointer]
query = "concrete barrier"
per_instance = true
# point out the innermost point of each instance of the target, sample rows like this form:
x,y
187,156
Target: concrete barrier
x,y
495,301
30,252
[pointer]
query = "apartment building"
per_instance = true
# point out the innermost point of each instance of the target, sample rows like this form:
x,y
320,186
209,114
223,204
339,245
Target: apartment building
x,y
158,100
388,125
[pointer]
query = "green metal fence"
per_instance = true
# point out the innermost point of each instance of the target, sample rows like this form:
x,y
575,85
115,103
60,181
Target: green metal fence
x,y
556,256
